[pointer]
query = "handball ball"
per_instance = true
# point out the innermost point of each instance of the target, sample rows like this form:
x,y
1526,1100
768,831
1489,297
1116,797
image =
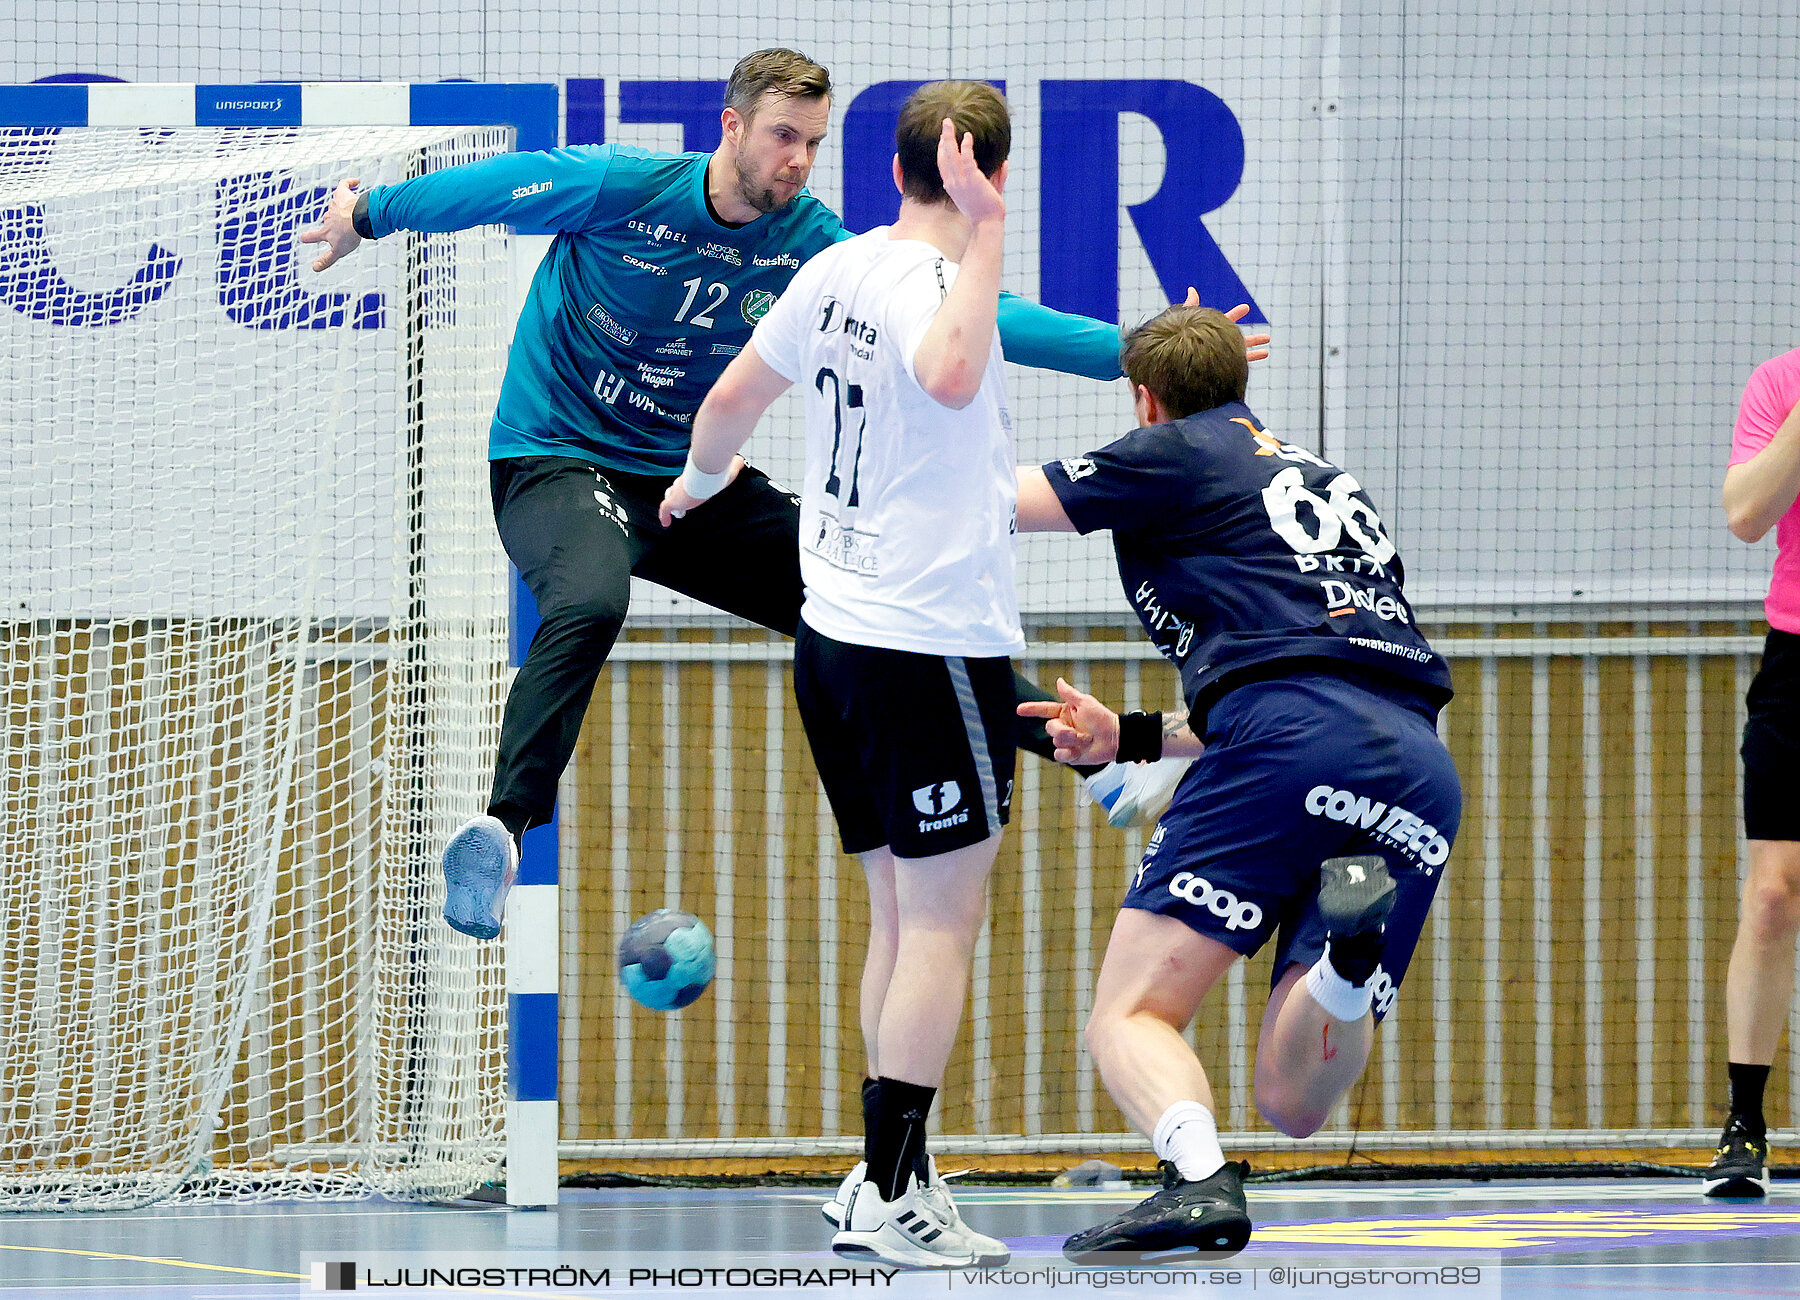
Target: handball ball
x,y
666,959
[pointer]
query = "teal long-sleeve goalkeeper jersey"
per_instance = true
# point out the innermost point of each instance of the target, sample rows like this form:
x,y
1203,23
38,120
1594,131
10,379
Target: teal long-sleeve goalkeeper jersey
x,y
645,296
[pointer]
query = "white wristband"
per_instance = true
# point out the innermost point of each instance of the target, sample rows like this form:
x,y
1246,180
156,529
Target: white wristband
x,y
699,484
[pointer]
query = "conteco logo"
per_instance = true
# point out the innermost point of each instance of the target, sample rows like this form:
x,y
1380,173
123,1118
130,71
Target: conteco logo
x,y
1221,903
1393,824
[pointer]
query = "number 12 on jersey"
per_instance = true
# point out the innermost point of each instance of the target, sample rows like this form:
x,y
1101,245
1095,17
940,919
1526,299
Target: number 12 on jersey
x,y
845,398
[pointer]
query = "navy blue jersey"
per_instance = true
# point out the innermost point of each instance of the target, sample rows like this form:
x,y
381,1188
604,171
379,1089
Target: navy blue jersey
x,y
1239,551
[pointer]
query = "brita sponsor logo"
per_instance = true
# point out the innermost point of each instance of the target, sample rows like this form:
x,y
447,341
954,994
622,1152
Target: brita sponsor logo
x,y
1393,824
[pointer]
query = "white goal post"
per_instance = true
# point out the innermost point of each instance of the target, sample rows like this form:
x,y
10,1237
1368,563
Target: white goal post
x,y
254,647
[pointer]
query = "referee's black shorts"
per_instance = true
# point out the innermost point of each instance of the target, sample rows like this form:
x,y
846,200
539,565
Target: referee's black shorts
x,y
915,750
1771,748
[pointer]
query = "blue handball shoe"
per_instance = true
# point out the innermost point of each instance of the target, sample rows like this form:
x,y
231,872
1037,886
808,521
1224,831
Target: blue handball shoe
x,y
480,864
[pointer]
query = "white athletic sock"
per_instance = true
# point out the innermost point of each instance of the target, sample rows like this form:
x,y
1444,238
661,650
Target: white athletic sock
x,y
1188,1138
1341,999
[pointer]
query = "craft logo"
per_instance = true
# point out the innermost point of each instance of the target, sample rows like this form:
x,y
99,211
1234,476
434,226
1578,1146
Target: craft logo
x,y
642,265
756,305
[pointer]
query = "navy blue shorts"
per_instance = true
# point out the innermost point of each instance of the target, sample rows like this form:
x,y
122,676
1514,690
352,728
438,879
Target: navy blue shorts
x,y
1296,770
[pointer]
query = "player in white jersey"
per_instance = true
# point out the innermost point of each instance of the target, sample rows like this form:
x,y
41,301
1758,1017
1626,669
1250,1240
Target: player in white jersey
x,y
901,663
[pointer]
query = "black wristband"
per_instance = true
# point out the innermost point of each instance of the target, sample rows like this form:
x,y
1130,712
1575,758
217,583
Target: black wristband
x,y
359,217
1140,737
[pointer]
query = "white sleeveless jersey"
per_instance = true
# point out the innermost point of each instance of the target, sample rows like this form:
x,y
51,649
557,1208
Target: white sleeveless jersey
x,y
908,508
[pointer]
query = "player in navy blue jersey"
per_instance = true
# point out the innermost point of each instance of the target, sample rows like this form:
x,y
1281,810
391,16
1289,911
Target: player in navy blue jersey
x,y
661,267
1321,806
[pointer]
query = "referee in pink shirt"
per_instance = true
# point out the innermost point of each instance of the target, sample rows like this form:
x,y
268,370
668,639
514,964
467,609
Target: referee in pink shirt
x,y
1761,485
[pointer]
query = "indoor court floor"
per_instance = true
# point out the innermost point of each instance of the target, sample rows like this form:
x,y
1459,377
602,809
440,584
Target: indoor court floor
x,y
1571,1238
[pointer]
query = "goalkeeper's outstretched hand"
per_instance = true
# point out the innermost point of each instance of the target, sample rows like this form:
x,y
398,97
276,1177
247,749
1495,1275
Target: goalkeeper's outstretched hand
x,y
1256,346
336,229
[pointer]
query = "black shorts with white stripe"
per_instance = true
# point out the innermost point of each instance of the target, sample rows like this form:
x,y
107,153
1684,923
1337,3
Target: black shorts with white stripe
x,y
915,750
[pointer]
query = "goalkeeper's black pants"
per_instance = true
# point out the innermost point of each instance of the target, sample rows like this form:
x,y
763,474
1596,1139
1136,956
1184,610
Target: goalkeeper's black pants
x,y
577,534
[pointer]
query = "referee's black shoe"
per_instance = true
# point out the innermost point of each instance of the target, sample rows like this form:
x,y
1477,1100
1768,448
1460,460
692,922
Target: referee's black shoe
x,y
1202,1220
1741,1166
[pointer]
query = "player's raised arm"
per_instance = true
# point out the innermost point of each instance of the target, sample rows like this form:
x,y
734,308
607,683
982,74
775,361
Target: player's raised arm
x,y
1760,490
952,357
726,418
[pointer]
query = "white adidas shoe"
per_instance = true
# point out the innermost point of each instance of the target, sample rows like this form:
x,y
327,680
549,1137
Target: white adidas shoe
x,y
919,1229
481,861
1135,792
833,1209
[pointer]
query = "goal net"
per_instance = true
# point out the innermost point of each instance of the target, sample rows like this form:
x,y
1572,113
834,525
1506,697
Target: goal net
x,y
251,662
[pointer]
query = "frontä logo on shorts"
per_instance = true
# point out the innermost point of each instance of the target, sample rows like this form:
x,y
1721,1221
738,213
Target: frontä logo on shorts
x,y
935,800
1221,903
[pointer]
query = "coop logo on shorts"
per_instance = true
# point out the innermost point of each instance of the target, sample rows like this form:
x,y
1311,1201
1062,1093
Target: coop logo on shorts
x,y
1393,824
940,804
1382,991
1221,903
756,305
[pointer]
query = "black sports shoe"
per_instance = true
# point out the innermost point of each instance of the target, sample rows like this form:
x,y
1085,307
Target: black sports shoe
x,y
1202,1220
1355,895
1741,1167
